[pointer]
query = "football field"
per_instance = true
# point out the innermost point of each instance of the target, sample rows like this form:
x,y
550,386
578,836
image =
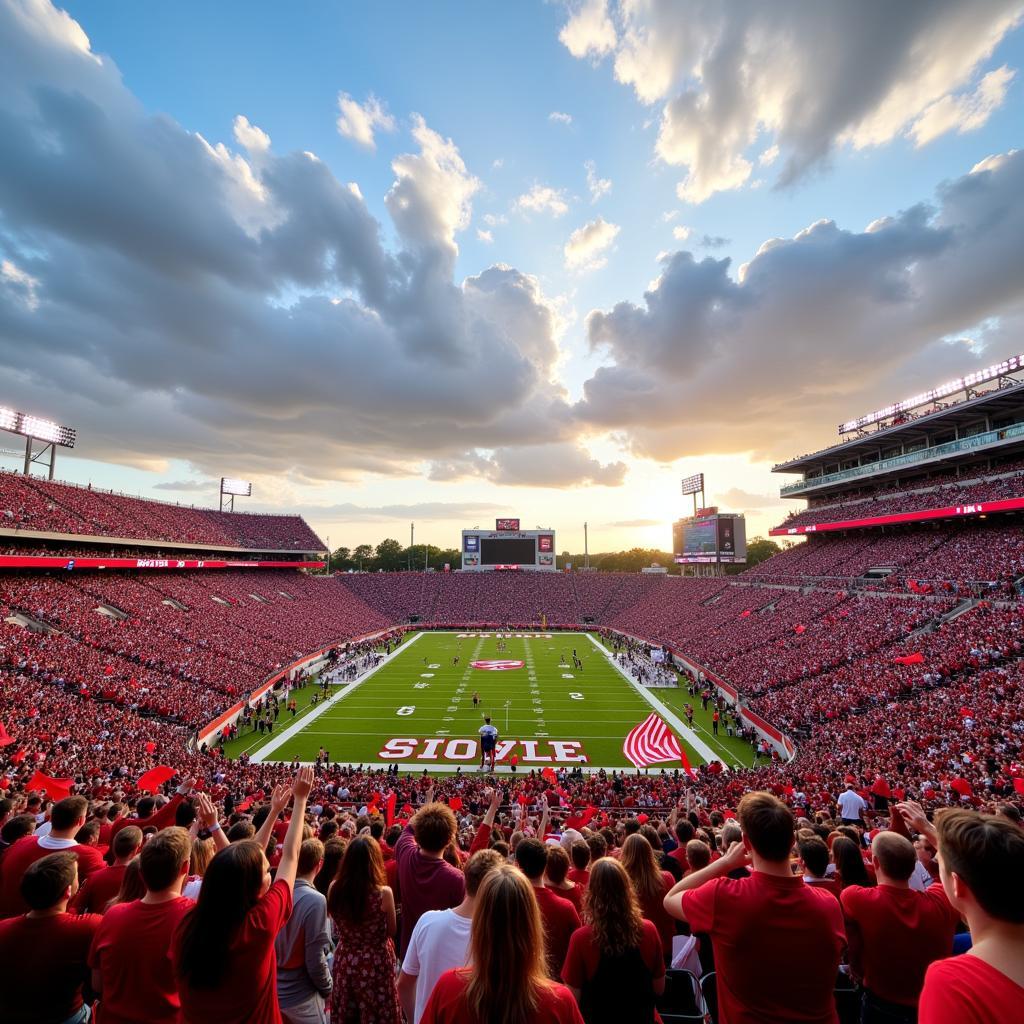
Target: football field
x,y
417,710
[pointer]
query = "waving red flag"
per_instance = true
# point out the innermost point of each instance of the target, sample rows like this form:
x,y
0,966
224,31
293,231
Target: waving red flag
x,y
389,808
455,803
5,737
152,780
56,788
910,659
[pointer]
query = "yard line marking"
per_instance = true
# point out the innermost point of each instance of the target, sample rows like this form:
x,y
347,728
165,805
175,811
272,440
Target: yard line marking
x,y
673,719
299,725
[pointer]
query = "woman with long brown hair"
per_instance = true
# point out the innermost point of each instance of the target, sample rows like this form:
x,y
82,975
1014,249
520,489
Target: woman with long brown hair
x,y
850,866
363,909
651,885
506,981
223,949
614,966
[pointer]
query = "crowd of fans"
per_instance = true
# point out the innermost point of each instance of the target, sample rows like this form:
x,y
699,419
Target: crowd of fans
x,y
460,903
940,491
30,503
791,881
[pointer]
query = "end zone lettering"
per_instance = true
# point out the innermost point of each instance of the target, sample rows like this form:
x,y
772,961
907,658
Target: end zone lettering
x,y
441,748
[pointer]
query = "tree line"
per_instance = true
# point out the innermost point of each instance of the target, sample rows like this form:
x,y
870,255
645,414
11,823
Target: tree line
x,y
392,556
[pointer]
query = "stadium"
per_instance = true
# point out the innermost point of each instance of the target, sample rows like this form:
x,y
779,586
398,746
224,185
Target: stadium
x,y
246,777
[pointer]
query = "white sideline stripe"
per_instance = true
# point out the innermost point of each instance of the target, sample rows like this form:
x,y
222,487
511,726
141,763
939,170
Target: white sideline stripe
x,y
674,720
300,724
469,768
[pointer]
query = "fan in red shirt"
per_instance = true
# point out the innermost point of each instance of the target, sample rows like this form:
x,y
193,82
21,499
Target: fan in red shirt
x,y
44,951
614,966
651,886
149,816
579,854
895,932
777,941
100,888
506,982
223,950
558,915
556,871
130,967
980,862
66,818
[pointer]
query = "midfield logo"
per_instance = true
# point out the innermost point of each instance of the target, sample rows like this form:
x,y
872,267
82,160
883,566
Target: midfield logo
x,y
441,748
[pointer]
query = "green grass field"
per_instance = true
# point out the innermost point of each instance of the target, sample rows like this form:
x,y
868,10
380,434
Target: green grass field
x,y
417,709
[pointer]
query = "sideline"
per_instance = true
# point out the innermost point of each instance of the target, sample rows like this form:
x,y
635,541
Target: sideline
x,y
300,723
670,716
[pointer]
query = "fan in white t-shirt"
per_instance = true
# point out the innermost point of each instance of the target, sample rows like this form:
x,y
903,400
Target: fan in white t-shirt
x,y
440,940
851,805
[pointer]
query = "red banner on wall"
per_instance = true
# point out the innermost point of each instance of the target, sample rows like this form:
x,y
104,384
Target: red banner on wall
x,y
77,562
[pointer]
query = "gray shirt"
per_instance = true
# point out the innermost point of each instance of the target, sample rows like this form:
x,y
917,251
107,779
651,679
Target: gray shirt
x,y
304,938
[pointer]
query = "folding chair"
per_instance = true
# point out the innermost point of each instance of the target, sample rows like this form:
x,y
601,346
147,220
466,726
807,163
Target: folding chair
x,y
682,999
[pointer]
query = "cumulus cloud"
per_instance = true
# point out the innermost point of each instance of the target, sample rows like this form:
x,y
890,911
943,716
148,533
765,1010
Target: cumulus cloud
x,y
815,328
543,199
807,79
484,236
249,136
589,32
588,245
560,118
359,122
598,186
189,301
681,233
963,113
561,464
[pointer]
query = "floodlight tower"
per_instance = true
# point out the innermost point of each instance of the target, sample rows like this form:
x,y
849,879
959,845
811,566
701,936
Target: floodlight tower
x,y
35,428
229,488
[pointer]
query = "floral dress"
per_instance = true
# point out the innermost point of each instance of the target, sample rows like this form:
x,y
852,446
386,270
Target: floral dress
x,y
364,970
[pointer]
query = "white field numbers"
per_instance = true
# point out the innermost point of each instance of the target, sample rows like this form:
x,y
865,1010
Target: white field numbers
x,y
576,696
408,709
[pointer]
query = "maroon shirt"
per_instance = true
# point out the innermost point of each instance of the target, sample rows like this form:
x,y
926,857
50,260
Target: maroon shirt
x,y
426,883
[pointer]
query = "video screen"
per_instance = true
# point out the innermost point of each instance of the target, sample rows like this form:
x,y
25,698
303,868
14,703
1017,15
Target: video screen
x,y
471,542
545,542
508,552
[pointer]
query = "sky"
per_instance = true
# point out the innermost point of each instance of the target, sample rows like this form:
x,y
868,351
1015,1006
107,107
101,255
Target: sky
x,y
440,263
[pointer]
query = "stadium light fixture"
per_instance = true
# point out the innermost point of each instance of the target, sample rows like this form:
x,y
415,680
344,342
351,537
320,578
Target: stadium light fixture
x,y
952,387
36,428
230,488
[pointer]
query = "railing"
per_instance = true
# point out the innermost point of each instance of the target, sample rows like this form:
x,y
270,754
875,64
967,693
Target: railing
x,y
923,455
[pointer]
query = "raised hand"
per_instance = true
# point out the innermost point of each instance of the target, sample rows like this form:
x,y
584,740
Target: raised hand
x,y
279,798
913,815
303,784
206,813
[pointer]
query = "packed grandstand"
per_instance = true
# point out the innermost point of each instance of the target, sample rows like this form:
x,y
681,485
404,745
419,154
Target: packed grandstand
x,y
879,661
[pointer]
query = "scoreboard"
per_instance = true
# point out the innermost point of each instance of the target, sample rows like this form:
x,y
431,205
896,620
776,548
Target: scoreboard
x,y
508,547
710,539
